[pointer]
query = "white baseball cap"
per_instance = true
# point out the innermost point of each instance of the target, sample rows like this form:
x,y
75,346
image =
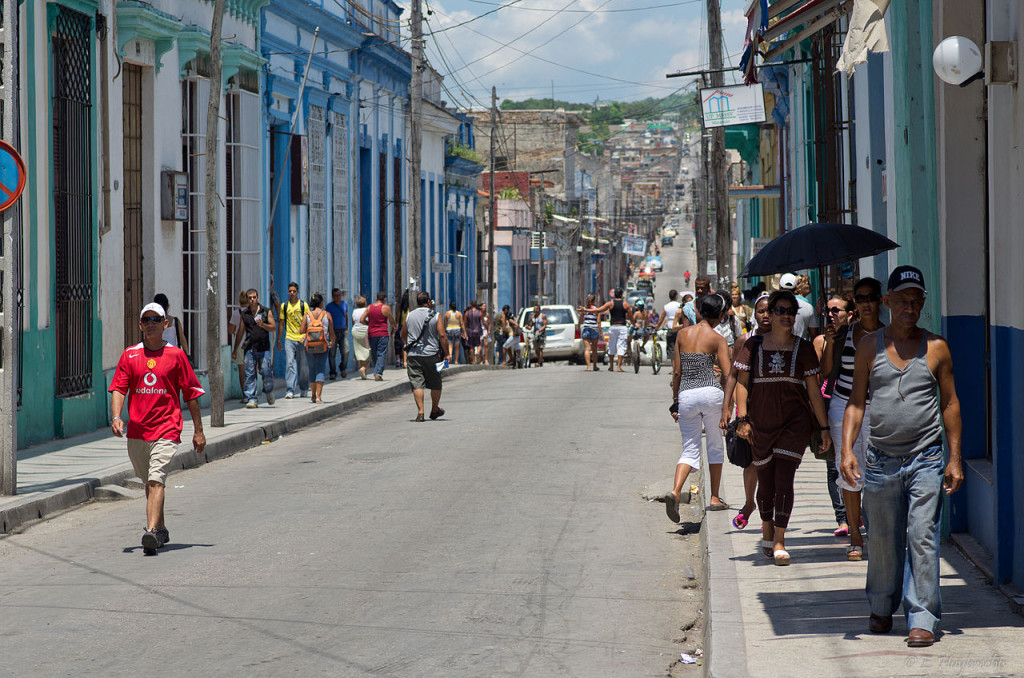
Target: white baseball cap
x,y
788,281
155,308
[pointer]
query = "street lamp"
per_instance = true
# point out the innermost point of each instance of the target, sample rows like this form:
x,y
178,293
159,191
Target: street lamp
x,y
957,61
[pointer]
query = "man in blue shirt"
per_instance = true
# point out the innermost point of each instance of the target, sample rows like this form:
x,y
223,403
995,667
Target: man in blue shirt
x,y
338,308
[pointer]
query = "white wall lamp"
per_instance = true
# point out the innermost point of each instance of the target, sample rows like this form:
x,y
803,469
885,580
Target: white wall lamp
x,y
958,61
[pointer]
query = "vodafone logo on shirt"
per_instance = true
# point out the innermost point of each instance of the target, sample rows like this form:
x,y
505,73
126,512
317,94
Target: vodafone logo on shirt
x,y
150,381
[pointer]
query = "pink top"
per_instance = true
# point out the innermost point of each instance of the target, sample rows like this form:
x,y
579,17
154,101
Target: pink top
x,y
376,321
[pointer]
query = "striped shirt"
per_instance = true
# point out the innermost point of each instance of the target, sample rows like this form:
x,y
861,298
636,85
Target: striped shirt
x,y
590,319
844,382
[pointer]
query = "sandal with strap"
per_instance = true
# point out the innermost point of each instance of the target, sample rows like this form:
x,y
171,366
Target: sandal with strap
x,y
854,553
740,521
781,557
841,532
767,547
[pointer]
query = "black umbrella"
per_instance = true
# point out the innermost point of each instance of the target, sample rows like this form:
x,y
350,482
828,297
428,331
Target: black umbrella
x,y
815,246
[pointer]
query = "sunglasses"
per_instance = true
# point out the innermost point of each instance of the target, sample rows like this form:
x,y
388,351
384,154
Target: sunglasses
x,y
866,298
151,320
835,310
784,310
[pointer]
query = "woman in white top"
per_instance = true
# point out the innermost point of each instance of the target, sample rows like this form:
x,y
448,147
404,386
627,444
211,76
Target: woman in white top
x,y
173,333
360,342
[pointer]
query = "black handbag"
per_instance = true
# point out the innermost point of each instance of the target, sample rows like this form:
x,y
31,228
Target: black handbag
x,y
736,447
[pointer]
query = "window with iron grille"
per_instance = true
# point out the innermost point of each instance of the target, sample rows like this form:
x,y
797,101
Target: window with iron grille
x,y
339,197
242,201
382,222
316,131
195,96
70,35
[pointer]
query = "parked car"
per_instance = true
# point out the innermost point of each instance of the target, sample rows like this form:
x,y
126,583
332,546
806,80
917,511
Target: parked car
x,y
562,339
666,241
669,232
646,272
644,285
655,263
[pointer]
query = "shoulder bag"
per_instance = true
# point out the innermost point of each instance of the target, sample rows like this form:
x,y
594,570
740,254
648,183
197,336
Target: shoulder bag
x,y
736,447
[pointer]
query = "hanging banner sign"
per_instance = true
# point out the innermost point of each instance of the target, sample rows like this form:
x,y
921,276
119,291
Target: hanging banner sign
x,y
634,246
732,105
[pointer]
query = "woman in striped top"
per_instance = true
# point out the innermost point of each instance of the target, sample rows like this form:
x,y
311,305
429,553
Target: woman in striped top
x,y
839,313
698,395
590,321
842,345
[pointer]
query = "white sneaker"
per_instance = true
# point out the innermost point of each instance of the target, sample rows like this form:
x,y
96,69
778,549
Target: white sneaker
x,y
289,395
251,405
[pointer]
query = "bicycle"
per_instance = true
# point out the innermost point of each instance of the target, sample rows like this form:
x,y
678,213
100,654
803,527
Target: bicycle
x,y
634,351
526,355
656,340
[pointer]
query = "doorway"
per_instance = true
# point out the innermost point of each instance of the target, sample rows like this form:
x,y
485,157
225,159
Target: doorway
x,y
132,115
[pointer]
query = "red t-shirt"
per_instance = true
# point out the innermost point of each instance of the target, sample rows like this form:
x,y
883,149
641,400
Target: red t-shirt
x,y
154,380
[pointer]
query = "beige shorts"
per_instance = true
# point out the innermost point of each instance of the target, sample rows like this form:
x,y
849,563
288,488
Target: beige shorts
x,y
150,459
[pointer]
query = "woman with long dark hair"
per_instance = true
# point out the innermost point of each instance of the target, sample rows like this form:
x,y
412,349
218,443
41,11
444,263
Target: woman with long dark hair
x,y
590,322
777,412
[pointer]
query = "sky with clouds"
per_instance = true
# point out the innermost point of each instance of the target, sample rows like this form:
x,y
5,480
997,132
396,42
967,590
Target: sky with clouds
x,y
586,49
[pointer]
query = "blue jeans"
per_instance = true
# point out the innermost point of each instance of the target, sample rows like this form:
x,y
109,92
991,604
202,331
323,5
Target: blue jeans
x,y
831,475
296,372
339,346
257,360
903,503
378,351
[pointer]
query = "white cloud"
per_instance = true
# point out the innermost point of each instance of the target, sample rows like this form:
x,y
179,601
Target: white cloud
x,y
639,47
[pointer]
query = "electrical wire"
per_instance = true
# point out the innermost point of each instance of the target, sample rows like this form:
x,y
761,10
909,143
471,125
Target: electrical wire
x,y
476,18
602,11
570,68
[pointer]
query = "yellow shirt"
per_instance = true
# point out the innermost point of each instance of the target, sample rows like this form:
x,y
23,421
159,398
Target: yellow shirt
x,y
291,314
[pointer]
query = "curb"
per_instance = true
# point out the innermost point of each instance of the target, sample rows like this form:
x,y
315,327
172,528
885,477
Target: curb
x,y
724,654
19,516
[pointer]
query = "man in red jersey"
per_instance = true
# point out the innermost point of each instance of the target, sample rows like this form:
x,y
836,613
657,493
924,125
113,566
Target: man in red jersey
x,y
154,373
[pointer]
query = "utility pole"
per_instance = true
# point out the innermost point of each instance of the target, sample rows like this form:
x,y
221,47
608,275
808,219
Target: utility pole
x,y
10,263
700,202
213,307
415,147
720,180
492,292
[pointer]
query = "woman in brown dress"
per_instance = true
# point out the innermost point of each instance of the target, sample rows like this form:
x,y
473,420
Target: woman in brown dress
x,y
778,408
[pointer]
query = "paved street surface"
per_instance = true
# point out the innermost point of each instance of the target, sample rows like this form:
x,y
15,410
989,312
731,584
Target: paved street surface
x,y
509,538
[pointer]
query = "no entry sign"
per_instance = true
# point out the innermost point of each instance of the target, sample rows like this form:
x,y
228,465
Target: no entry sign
x,y
12,175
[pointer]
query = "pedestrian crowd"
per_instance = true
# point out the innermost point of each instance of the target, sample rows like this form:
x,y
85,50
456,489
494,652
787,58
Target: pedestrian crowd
x,y
767,382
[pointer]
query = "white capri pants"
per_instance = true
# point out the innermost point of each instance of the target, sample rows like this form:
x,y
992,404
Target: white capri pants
x,y
617,335
701,408
836,408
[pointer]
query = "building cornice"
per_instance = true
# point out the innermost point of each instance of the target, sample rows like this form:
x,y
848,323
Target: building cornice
x,y
139,20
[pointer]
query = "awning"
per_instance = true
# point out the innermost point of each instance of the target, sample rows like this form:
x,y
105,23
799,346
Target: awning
x,y
797,20
565,220
741,192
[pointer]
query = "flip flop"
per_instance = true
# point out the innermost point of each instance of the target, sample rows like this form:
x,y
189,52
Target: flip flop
x,y
718,507
672,507
740,521
841,532
437,414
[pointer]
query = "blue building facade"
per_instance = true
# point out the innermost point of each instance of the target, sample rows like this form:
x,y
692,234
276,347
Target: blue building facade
x,y
335,181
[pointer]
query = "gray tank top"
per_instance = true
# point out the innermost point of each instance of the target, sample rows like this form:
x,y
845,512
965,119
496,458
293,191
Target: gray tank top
x,y
905,417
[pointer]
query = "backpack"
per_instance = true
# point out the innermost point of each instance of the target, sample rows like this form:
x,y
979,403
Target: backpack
x,y
316,337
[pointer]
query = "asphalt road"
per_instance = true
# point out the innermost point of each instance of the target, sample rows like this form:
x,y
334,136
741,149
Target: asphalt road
x,y
511,538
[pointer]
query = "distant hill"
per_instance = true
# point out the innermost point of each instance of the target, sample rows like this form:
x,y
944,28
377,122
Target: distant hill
x,y
680,106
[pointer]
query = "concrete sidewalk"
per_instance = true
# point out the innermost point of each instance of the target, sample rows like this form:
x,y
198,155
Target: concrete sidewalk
x,y
811,618
60,474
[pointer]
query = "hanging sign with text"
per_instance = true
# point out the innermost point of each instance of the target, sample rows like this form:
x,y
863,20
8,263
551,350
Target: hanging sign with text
x,y
732,105
634,246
